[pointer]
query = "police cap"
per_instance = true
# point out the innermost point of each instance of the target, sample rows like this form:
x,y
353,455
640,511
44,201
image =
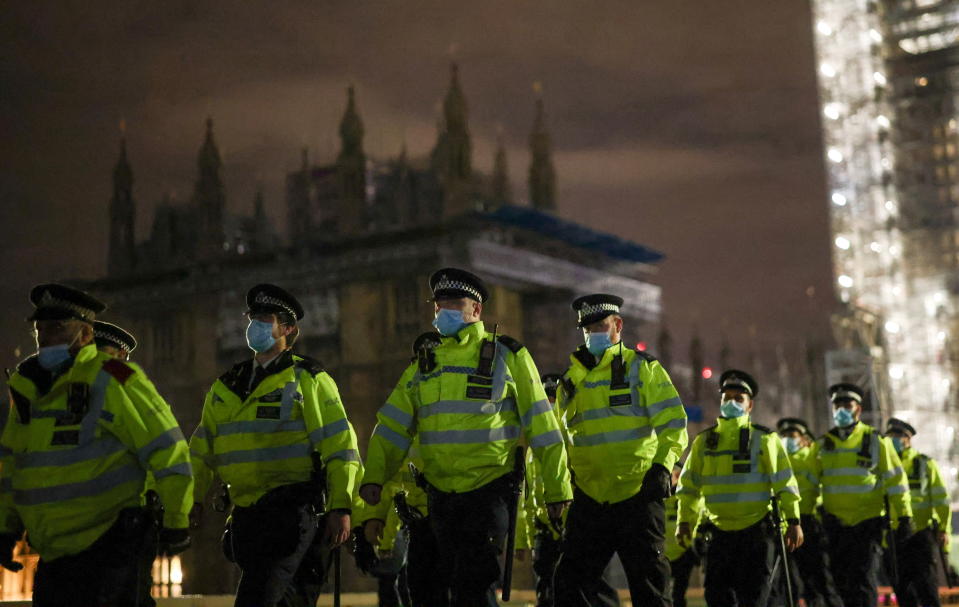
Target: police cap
x,y
454,283
595,307
845,391
267,298
788,424
59,302
897,425
734,379
109,334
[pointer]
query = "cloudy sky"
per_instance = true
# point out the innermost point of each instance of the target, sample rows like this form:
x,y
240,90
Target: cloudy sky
x,y
688,126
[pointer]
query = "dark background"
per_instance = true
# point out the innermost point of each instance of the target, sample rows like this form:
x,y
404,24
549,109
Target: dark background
x,y
688,126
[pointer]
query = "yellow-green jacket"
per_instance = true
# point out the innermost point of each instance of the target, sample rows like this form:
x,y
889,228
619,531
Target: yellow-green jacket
x,y
803,469
855,473
671,547
261,440
930,499
76,452
386,510
468,423
618,426
736,467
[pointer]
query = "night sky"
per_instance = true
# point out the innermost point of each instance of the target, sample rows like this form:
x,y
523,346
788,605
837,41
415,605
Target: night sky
x,y
691,127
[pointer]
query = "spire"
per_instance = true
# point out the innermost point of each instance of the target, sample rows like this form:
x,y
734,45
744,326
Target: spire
x,y
351,170
351,128
209,197
501,189
542,176
121,252
454,147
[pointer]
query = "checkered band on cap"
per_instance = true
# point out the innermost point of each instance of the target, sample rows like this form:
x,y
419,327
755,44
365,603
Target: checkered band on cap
x,y
49,301
839,394
590,309
263,298
446,284
112,338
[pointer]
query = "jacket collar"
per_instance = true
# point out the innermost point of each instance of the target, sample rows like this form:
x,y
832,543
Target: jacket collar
x,y
735,422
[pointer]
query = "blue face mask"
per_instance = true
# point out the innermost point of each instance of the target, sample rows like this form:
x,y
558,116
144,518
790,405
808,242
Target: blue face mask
x,y
51,357
731,409
259,336
843,417
597,343
449,322
792,444
897,443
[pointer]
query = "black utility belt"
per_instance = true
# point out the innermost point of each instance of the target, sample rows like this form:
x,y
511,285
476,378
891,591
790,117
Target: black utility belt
x,y
503,484
293,495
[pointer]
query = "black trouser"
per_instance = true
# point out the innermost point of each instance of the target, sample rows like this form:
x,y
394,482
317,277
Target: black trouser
x,y
739,566
681,569
812,564
633,529
470,532
546,553
919,571
105,574
425,574
276,545
854,552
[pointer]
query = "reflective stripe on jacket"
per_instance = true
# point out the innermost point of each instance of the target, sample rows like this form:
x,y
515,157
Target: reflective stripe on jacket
x,y
76,455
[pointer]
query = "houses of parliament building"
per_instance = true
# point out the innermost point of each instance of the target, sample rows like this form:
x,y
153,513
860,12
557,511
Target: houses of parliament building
x,y
362,237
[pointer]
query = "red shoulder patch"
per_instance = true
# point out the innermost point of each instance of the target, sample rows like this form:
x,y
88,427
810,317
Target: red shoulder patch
x,y
118,369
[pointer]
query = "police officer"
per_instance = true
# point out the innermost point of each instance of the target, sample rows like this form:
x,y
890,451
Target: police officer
x,y
919,556
857,470
812,578
468,400
113,340
76,445
682,559
117,342
735,467
627,427
274,430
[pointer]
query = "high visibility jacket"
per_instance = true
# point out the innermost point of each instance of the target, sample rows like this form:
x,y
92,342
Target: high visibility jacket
x,y
469,403
75,452
385,510
802,465
622,415
736,467
260,440
855,473
671,547
930,499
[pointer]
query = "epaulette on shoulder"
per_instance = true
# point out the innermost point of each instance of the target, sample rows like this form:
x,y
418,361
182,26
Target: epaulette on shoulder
x,y
645,355
513,345
230,377
310,365
761,428
709,429
119,370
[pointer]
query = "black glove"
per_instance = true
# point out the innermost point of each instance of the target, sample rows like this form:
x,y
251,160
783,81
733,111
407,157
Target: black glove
x,y
7,543
173,541
363,552
657,484
904,531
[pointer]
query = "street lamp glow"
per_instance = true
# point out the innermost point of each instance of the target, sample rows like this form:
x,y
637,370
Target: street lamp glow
x,y
880,78
875,247
831,111
876,36
823,28
882,121
892,326
834,155
838,199
845,281
842,242
827,70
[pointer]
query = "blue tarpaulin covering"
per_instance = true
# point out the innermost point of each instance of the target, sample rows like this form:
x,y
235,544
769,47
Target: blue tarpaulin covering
x,y
574,234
